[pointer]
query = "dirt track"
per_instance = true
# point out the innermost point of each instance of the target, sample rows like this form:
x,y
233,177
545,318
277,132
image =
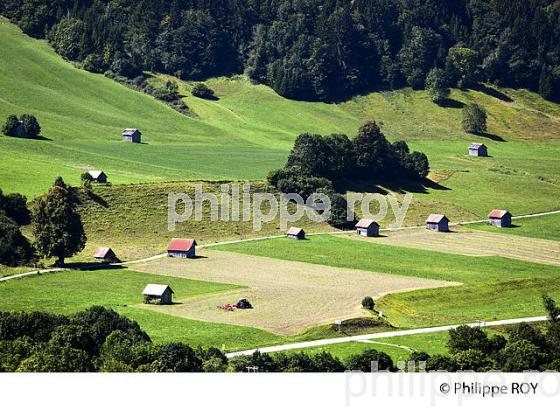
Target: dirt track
x,y
288,296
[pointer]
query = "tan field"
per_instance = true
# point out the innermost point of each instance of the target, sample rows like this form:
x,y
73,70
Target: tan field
x,y
287,296
470,242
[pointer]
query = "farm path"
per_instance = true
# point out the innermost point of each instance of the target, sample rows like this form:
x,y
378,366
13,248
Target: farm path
x,y
162,255
382,335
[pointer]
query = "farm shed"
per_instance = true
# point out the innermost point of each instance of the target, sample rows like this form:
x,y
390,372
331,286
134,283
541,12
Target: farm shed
x,y
160,294
437,222
296,233
500,218
182,248
132,135
98,176
104,254
367,227
478,150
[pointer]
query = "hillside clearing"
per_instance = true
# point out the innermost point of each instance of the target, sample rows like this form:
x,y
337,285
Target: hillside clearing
x,y
287,296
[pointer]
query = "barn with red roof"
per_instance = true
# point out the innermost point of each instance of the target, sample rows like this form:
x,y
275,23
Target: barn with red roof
x,y
500,218
367,227
295,233
182,248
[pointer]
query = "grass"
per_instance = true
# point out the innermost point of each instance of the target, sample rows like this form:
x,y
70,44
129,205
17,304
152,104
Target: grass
x,y
431,343
14,270
494,287
543,227
249,130
120,289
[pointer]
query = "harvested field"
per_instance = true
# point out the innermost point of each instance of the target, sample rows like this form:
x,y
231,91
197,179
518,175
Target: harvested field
x,y
468,242
287,296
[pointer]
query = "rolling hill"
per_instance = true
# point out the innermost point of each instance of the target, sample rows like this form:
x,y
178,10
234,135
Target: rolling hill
x,y
249,130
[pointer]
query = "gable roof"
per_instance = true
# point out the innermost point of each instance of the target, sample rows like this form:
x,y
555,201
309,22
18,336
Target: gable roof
x,y
96,174
436,218
498,213
181,245
155,290
476,145
366,223
130,131
295,231
102,252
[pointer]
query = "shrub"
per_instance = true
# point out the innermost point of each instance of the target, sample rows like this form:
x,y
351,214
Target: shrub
x,y
31,125
10,126
15,249
368,303
15,207
474,119
201,90
94,63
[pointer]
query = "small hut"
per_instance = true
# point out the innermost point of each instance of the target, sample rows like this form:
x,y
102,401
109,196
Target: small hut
x,y
367,227
437,222
295,233
181,248
500,218
159,294
132,135
478,150
104,254
98,176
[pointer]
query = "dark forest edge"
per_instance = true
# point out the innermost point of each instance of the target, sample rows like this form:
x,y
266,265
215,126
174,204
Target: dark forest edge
x,y
312,49
99,339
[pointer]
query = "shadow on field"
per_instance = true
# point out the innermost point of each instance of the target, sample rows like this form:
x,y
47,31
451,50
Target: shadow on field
x,y
91,266
383,187
492,137
450,103
492,92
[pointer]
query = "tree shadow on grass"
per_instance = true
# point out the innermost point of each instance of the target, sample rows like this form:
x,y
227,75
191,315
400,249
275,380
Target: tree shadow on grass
x,y
450,103
383,187
492,92
492,137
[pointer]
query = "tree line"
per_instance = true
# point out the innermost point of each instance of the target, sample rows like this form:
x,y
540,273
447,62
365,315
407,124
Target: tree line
x,y
99,339
309,49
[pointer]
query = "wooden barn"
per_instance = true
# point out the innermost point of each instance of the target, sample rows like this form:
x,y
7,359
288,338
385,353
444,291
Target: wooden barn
x,y
98,176
132,135
182,248
295,233
159,294
104,254
500,218
437,222
478,150
367,227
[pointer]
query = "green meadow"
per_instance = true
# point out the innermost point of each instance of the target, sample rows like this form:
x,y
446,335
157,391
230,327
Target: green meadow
x,y
494,287
543,227
120,290
249,130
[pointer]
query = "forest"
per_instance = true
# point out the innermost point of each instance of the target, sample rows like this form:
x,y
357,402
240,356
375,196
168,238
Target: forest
x,y
308,49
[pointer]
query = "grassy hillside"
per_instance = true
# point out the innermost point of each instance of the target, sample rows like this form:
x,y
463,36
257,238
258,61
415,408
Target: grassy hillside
x,y
249,130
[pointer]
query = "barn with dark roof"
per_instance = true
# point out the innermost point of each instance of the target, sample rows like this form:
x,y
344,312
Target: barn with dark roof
x,y
98,176
367,227
181,248
132,135
500,218
478,150
295,233
437,222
